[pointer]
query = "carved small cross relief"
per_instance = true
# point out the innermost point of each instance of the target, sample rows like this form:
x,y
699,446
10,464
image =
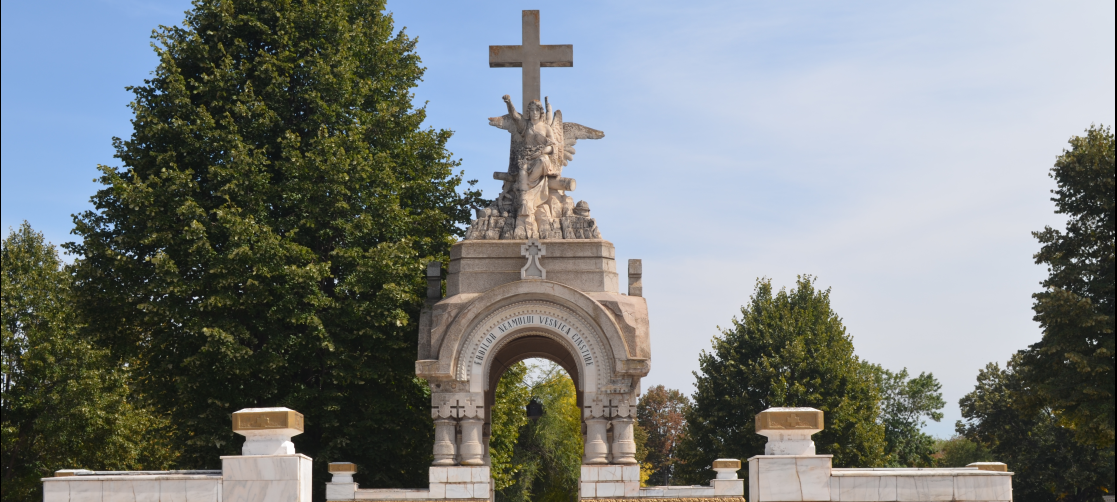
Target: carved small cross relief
x,y
533,269
458,409
611,409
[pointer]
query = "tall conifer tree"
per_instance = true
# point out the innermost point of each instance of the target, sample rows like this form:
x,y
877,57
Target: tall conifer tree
x,y
262,243
788,349
1071,370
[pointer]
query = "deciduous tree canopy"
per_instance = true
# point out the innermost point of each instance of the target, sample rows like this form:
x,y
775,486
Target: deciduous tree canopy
x,y
661,414
1049,465
262,242
905,405
66,404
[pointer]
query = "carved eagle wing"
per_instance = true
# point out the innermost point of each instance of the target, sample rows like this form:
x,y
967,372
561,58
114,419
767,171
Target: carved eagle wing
x,y
569,133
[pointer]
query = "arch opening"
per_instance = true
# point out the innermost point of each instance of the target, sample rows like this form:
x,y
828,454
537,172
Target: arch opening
x,y
535,459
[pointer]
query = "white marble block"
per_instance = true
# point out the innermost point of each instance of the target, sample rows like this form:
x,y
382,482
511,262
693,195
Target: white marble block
x,y
789,478
271,478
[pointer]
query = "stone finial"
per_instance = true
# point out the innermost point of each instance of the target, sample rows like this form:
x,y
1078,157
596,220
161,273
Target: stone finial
x,y
268,431
434,280
789,430
342,472
635,278
533,269
727,468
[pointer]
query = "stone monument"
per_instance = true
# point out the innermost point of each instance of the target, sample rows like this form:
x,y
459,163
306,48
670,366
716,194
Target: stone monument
x,y
533,278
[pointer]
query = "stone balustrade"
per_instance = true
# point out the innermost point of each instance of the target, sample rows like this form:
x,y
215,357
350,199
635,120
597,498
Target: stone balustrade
x,y
267,470
806,476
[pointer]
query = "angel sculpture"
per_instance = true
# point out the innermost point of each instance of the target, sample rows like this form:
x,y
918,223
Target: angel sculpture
x,y
534,191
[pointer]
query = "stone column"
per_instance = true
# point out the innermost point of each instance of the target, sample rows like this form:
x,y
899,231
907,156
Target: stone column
x,y
471,450
444,435
596,450
624,442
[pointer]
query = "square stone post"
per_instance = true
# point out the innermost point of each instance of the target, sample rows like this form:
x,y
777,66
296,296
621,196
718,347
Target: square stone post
x,y
268,468
789,470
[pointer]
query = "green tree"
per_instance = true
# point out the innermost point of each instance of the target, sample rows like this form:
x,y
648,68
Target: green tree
x,y
547,457
1071,368
263,242
509,415
959,452
1049,464
661,415
65,403
786,349
905,405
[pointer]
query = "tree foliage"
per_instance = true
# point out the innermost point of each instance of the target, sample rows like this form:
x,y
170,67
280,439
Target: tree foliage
x,y
661,415
905,405
545,464
1049,465
65,403
508,416
1071,368
786,349
263,242
958,451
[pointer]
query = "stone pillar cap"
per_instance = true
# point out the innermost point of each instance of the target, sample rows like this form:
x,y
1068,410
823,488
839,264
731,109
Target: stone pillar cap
x,y
342,468
62,473
277,421
727,463
990,466
805,420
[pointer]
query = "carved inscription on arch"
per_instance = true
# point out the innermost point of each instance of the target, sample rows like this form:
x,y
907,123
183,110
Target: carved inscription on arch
x,y
576,338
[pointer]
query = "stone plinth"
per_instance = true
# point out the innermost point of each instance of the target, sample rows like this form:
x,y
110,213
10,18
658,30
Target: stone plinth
x,y
477,266
268,468
787,478
271,478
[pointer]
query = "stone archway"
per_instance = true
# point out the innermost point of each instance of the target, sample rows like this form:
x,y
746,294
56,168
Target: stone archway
x,y
496,316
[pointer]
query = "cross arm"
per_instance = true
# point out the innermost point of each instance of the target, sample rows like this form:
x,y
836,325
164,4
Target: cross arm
x,y
514,56
506,56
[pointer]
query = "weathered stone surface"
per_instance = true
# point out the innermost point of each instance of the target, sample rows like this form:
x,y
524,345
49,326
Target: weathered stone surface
x,y
533,202
478,266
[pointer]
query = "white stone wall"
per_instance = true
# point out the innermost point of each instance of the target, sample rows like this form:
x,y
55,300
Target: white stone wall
x,y
886,485
134,488
786,478
446,482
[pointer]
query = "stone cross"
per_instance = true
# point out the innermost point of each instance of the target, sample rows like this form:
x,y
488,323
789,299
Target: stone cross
x,y
531,56
533,269
611,409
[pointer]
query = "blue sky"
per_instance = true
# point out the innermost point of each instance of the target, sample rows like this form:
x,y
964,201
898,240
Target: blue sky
x,y
896,150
